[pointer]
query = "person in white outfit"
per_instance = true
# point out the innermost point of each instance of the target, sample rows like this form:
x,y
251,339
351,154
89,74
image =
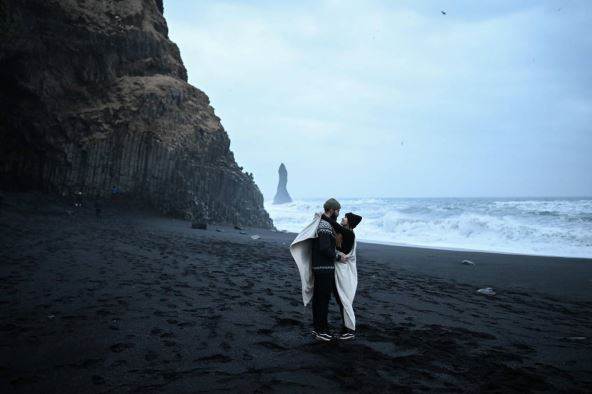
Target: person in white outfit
x,y
344,243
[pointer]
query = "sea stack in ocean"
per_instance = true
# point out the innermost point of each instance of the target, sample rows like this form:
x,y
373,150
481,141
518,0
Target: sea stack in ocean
x,y
282,196
95,98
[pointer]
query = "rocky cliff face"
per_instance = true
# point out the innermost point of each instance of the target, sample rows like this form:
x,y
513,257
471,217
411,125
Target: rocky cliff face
x,y
282,196
94,95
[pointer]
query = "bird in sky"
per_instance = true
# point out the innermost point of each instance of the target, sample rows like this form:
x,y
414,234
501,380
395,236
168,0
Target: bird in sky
x,y
443,12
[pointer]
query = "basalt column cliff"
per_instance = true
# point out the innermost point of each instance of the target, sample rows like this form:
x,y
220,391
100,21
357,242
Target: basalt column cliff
x,y
93,95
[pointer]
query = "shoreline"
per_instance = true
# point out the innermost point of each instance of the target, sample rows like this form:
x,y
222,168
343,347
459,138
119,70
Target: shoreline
x,y
455,249
458,249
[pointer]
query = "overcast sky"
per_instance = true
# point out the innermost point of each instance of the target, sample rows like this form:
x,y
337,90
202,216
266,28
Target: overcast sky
x,y
395,99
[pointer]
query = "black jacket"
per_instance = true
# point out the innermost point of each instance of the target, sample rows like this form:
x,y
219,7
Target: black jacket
x,y
348,235
324,254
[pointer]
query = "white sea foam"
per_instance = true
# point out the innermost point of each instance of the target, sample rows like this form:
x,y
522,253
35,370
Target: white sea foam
x,y
555,227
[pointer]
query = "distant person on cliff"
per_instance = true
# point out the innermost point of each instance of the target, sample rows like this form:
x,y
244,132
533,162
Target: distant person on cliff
x,y
325,270
115,191
78,199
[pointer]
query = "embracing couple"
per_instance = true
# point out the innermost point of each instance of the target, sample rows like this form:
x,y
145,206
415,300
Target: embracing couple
x,y
325,253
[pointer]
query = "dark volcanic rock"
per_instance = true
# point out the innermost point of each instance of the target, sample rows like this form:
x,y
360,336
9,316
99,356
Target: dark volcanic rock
x,y
94,95
199,216
282,196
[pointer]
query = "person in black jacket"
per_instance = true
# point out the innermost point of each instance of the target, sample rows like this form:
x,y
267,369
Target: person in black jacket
x,y
324,257
344,242
345,237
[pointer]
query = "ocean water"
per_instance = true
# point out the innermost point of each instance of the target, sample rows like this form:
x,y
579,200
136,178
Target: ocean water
x,y
537,226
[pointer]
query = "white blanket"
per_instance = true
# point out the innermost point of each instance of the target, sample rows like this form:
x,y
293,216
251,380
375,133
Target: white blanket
x,y
346,274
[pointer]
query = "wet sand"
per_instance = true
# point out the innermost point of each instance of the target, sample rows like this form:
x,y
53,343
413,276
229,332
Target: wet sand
x,y
136,302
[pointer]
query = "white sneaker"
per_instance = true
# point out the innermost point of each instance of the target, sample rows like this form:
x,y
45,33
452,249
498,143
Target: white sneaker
x,y
347,335
323,336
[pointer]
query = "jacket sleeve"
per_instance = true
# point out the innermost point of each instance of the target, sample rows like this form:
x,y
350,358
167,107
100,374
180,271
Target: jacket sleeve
x,y
338,227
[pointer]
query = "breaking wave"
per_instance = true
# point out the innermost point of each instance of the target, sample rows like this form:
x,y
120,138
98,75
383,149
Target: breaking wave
x,y
553,227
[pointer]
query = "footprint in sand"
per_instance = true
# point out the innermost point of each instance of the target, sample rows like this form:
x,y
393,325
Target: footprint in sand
x,y
271,346
215,358
287,322
120,347
151,356
156,331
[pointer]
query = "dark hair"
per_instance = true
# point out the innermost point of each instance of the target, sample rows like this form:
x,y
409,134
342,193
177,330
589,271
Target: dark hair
x,y
353,220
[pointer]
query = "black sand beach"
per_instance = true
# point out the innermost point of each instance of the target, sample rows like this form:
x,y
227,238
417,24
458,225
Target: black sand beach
x,y
137,302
